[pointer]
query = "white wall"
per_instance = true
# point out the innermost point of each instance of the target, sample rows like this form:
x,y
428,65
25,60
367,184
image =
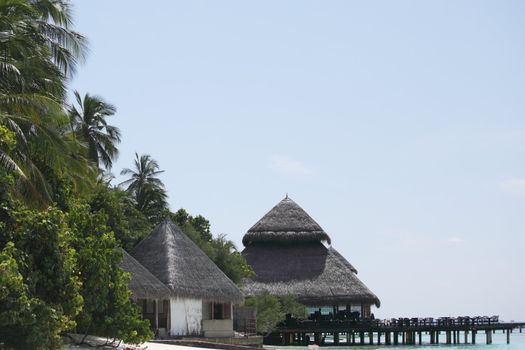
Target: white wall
x,y
186,316
218,328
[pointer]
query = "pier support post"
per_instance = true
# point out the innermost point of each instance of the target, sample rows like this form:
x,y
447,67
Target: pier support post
x,y
437,337
432,337
388,340
362,338
455,338
474,336
448,337
466,337
420,337
371,338
403,338
317,338
396,338
336,338
508,336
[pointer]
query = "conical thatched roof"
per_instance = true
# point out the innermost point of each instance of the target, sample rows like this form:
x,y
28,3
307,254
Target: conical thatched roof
x,y
182,266
286,222
143,284
316,275
286,252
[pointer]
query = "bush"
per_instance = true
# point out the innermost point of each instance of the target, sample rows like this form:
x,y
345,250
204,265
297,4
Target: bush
x,y
271,310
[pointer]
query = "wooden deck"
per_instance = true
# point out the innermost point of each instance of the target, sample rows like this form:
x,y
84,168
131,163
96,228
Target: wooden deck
x,y
406,331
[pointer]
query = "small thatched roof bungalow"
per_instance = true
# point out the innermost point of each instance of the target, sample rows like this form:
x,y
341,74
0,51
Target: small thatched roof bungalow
x,y
148,292
286,251
143,285
202,295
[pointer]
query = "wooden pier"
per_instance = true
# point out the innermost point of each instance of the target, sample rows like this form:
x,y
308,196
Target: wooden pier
x,y
445,330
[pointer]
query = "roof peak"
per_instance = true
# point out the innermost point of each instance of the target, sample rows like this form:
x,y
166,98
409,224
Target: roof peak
x,y
181,265
286,222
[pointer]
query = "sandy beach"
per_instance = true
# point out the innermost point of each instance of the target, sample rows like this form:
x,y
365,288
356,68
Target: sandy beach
x,y
148,346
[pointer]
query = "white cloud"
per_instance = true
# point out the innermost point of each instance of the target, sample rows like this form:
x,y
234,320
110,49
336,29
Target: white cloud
x,y
514,186
455,240
289,167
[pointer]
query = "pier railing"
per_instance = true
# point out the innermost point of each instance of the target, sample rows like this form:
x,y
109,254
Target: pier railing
x,y
295,331
291,322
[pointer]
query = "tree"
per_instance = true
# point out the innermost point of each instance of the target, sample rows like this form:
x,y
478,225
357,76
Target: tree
x,y
146,189
59,271
199,223
229,260
107,309
290,305
58,257
128,224
271,310
42,296
90,125
39,52
219,249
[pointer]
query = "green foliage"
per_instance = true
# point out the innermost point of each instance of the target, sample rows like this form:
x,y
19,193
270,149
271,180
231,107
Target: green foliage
x,y
229,260
16,305
60,271
290,305
146,189
89,125
128,224
199,223
219,249
271,310
108,309
39,51
43,288
58,258
7,138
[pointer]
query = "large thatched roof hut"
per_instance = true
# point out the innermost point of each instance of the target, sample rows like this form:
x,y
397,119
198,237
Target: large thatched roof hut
x,y
202,295
289,253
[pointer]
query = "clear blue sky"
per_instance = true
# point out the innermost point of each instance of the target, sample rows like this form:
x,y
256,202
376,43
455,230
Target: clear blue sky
x,y
398,125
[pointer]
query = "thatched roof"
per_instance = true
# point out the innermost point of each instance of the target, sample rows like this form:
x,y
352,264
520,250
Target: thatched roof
x,y
182,266
317,275
143,284
286,222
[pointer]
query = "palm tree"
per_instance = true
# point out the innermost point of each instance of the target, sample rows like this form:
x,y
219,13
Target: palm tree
x,y
145,188
90,124
38,52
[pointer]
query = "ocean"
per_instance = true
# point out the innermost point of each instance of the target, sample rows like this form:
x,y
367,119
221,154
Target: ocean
x,y
517,342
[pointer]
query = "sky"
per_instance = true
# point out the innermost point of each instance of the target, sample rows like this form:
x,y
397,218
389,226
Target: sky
x,y
397,125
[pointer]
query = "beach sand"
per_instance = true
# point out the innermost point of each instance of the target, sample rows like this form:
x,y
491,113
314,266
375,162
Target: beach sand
x,y
150,346
93,340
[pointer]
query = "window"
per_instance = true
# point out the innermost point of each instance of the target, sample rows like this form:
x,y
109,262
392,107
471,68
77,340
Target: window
x,y
217,311
149,307
226,311
221,311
